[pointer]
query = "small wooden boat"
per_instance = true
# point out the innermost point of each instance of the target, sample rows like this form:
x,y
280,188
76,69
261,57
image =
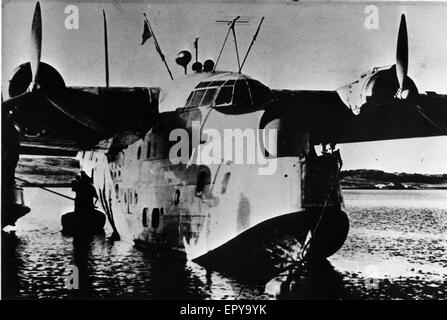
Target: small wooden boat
x,y
83,222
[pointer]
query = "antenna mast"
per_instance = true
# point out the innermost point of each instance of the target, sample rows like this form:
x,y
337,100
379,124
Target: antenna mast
x,y
231,28
196,47
251,44
106,49
235,45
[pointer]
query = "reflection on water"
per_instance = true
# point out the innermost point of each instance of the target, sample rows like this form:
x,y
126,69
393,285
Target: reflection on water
x,y
393,250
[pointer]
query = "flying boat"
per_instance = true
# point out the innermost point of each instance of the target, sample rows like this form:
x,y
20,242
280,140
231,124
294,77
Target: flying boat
x,y
222,214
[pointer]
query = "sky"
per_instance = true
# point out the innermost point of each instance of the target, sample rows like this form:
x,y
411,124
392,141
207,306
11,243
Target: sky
x,y
311,45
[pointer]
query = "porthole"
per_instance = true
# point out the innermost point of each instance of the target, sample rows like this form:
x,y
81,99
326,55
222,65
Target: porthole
x,y
200,183
148,149
225,180
155,150
155,221
139,153
177,197
144,217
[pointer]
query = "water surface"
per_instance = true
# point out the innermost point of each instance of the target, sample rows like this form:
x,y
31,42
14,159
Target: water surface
x,y
396,249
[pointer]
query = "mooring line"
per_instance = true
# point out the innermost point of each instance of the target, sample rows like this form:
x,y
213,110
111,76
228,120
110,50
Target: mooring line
x,y
46,189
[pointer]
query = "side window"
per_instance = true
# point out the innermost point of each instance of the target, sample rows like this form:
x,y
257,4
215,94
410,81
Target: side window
x,y
139,153
225,180
260,94
241,94
225,95
155,150
144,217
177,197
148,153
201,179
155,221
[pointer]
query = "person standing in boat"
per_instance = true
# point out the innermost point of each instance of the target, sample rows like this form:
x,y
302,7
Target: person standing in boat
x,y
85,193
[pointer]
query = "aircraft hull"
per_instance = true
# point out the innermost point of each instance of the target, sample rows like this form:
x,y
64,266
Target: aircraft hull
x,y
272,246
238,219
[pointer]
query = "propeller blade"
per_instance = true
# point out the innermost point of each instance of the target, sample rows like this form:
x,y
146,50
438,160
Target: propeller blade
x,y
402,53
36,43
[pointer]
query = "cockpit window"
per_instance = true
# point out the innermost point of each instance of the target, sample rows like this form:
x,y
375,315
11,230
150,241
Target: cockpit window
x,y
217,83
197,98
225,95
230,82
241,92
208,98
203,84
260,94
188,101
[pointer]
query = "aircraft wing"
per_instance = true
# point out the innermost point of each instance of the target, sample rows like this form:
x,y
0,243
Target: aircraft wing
x,y
328,119
60,122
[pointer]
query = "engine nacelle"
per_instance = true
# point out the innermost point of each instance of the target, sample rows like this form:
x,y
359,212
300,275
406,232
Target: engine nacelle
x,y
377,86
49,78
28,121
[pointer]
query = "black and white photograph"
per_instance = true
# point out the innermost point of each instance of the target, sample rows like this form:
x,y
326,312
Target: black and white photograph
x,y
223,150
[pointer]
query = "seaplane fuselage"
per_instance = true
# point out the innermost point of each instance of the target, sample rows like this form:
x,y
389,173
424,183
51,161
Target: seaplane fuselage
x,y
207,174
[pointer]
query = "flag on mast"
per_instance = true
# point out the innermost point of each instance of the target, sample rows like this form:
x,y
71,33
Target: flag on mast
x,y
146,33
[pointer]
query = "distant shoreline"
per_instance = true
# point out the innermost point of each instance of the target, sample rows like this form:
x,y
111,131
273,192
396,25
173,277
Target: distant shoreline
x,y
392,189
58,172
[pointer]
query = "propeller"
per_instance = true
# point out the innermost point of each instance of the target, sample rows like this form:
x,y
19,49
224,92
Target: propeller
x,y
69,104
402,59
36,46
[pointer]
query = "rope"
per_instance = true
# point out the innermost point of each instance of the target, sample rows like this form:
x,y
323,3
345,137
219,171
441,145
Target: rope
x,y
307,244
303,253
36,185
